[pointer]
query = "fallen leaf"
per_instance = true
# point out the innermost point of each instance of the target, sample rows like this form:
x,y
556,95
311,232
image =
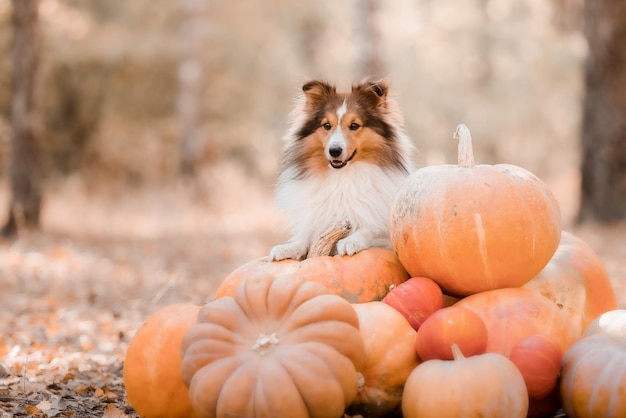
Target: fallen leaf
x,y
111,411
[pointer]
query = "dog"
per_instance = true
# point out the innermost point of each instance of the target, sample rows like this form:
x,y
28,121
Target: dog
x,y
346,155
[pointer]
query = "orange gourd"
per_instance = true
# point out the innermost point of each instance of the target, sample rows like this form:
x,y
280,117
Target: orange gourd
x,y
576,281
364,277
513,314
538,358
279,347
152,378
448,326
487,385
472,227
593,377
389,359
416,299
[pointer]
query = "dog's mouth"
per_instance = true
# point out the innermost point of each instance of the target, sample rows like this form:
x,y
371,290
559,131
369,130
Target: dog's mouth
x,y
341,163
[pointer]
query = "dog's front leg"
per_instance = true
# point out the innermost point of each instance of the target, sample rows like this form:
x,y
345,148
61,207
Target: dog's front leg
x,y
295,249
355,242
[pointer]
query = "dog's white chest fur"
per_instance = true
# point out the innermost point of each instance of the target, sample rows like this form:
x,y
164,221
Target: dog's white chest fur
x,y
361,193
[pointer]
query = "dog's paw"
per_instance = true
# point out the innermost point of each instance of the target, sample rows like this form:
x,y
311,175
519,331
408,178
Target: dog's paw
x,y
350,246
288,251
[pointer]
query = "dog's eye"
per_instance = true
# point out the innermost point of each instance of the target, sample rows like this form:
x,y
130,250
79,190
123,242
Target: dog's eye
x,y
326,126
354,126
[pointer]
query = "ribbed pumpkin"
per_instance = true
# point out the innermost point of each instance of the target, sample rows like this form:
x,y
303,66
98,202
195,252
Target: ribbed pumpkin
x,y
472,227
152,378
593,377
280,347
487,386
389,359
576,281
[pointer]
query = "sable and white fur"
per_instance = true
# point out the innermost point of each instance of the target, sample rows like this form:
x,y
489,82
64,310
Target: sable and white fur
x,y
346,156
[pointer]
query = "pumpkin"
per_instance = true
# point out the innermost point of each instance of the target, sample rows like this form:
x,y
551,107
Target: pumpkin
x,y
472,227
416,299
576,281
487,385
279,347
515,313
612,322
363,277
538,358
152,377
593,377
447,326
389,359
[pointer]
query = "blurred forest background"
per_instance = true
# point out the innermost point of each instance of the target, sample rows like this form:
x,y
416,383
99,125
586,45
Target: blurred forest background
x,y
160,123
116,81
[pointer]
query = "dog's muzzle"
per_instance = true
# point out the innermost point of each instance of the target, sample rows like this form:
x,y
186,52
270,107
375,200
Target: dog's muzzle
x,y
341,163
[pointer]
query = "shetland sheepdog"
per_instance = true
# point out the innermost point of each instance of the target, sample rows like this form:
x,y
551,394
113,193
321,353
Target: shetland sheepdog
x,y
345,157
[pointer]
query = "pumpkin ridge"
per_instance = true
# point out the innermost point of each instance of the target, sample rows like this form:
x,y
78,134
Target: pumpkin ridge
x,y
323,370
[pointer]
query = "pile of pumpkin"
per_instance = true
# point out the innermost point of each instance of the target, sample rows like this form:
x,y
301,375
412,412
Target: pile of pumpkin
x,y
484,308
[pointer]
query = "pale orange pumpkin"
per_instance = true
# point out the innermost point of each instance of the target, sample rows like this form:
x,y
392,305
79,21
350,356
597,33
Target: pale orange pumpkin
x,y
280,347
152,377
612,322
389,359
472,227
487,385
513,314
593,377
576,281
364,277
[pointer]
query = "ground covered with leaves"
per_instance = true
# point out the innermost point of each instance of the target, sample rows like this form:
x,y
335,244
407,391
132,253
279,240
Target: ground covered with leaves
x,y
71,301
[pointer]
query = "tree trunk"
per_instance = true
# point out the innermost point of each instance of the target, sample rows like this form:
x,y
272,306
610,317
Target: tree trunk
x,y
372,63
24,167
604,122
190,73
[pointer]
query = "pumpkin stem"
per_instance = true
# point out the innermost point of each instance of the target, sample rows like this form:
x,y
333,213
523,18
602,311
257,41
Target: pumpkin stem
x,y
264,342
324,243
456,352
466,154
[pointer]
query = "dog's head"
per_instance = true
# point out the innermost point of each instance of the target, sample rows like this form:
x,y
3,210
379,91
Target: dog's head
x,y
333,130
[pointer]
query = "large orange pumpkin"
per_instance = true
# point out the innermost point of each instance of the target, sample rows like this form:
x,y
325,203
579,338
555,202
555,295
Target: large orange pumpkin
x,y
513,314
576,281
472,227
152,377
389,359
364,277
280,347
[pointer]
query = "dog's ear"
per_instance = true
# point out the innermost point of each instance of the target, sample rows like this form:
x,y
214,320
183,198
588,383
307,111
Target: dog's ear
x,y
317,91
374,92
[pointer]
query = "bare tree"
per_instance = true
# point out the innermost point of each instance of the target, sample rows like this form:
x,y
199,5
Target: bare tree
x,y
190,72
372,63
604,121
24,171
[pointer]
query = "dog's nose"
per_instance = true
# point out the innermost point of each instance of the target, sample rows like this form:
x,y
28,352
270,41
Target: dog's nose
x,y
335,151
